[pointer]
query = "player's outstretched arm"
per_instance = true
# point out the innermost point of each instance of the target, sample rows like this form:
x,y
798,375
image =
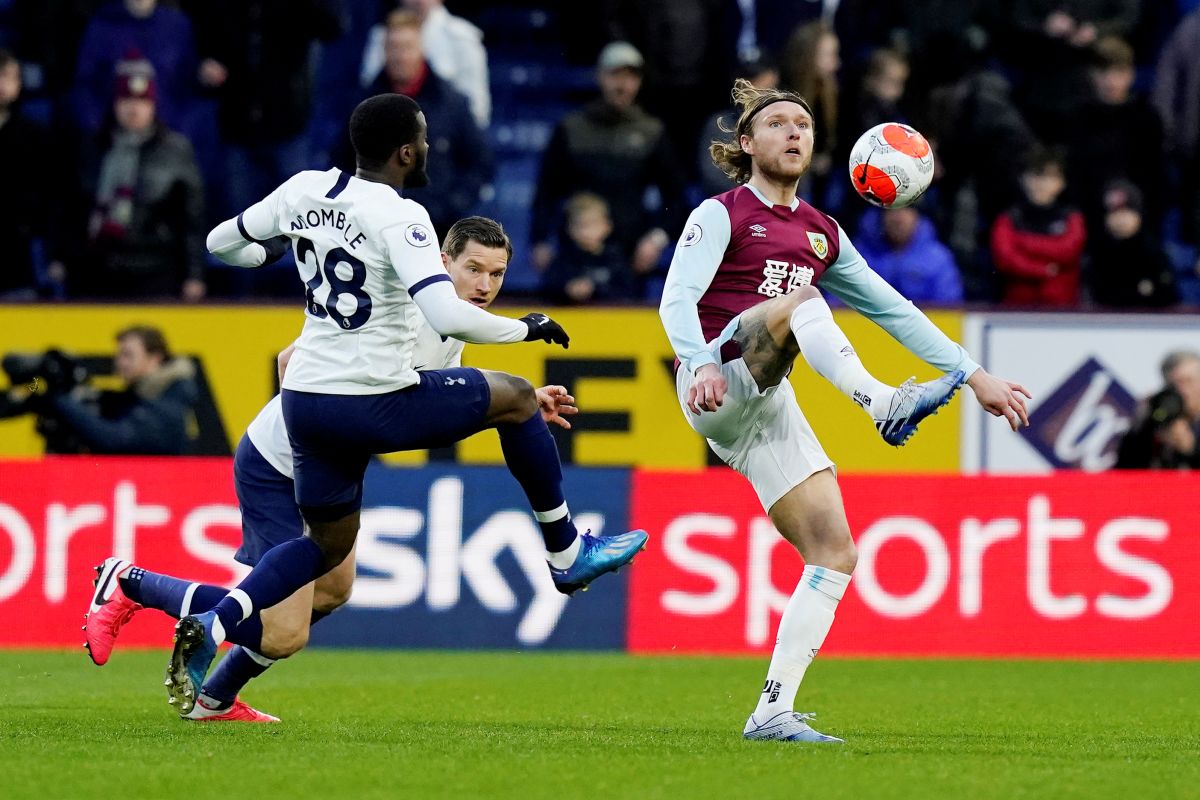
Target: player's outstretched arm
x,y
450,315
1001,398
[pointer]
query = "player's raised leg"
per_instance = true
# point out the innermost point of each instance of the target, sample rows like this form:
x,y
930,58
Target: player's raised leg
x,y
532,457
811,517
122,589
776,330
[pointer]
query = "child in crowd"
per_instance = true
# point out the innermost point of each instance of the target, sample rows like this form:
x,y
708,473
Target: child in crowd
x,y
1037,245
589,265
1129,267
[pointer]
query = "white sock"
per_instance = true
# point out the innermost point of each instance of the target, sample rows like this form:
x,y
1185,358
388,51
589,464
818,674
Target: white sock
x,y
828,351
565,558
802,631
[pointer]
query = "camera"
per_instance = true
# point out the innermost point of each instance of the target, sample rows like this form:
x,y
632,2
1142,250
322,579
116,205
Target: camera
x,y
1165,407
44,376
55,369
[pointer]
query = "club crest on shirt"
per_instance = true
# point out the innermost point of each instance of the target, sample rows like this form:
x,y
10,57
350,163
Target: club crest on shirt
x,y
820,244
418,235
693,234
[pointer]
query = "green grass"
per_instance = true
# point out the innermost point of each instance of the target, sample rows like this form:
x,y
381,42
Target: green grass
x,y
525,725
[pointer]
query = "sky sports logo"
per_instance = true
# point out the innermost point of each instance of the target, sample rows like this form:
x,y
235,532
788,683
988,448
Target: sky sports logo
x,y
1063,565
446,558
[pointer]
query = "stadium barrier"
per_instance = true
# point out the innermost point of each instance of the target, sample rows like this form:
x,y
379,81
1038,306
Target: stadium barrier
x,y
618,367
1060,565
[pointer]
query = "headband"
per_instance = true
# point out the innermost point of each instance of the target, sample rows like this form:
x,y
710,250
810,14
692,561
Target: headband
x,y
768,99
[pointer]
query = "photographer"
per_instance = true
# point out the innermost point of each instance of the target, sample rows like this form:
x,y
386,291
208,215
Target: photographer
x,y
1166,432
149,417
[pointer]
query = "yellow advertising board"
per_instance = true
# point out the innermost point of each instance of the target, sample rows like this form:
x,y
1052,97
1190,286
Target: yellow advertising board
x,y
618,367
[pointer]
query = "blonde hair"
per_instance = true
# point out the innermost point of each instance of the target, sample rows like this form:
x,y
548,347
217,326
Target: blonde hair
x,y
581,203
728,155
402,18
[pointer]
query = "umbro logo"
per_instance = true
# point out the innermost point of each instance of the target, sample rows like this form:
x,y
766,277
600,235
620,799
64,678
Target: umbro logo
x,y
759,231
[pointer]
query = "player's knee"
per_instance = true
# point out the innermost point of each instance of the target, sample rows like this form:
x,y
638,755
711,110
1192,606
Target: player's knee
x,y
330,598
336,539
848,557
282,642
513,397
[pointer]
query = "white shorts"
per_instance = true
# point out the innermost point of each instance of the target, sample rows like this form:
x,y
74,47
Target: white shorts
x,y
761,434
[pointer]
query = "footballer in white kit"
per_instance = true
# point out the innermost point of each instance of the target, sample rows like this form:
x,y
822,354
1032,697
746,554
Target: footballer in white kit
x,y
370,265
476,253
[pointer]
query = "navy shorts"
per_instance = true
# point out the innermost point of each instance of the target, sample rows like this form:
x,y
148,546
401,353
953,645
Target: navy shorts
x,y
268,501
334,435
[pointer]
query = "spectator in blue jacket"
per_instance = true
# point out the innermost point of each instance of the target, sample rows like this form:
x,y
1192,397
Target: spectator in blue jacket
x,y
460,160
129,29
903,248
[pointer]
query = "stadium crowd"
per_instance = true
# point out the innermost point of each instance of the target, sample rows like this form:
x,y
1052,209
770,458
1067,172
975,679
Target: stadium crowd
x,y
1066,132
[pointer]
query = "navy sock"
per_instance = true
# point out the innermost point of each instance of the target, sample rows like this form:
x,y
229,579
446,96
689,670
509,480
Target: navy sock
x,y
281,571
154,590
532,458
236,669
178,598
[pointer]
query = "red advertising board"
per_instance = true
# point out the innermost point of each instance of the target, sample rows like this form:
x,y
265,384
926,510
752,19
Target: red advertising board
x,y
61,516
1063,565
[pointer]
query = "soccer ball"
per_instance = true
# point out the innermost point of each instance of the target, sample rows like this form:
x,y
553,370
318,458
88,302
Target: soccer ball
x,y
891,165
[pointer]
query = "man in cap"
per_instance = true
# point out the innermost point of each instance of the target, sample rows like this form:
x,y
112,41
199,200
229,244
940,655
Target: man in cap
x,y
613,148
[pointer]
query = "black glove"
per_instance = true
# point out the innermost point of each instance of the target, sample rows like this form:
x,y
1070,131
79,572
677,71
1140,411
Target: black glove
x,y
546,329
276,246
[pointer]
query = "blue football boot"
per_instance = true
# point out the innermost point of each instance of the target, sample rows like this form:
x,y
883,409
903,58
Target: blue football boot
x,y
598,555
195,648
914,402
787,726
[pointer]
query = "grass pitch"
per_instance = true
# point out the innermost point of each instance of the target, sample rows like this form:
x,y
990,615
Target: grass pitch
x,y
531,725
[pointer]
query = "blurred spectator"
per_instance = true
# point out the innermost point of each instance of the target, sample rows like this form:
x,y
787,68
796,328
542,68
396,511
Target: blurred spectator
x,y
1177,98
810,66
128,29
256,56
145,232
23,213
1051,42
1037,245
615,149
150,416
1117,135
49,33
1127,264
460,160
588,266
979,135
903,248
713,181
1166,431
454,49
878,98
773,22
690,52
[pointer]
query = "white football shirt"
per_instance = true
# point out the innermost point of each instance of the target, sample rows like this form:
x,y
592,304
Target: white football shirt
x,y
363,253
